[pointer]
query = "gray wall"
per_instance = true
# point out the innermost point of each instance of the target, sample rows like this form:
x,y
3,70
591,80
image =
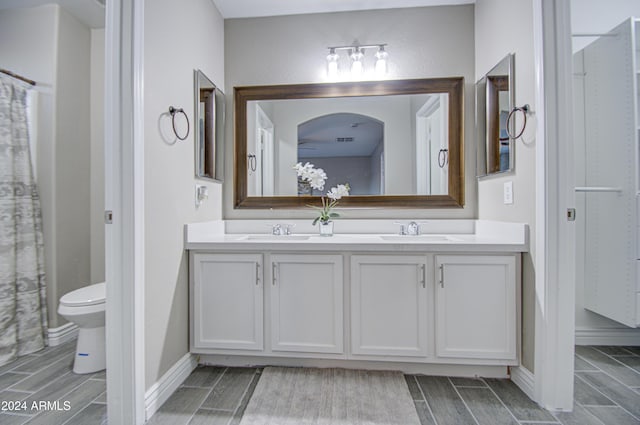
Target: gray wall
x,y
57,57
356,170
496,23
97,156
178,38
422,43
73,155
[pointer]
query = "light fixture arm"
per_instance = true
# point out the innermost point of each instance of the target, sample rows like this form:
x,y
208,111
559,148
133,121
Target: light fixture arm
x,y
357,46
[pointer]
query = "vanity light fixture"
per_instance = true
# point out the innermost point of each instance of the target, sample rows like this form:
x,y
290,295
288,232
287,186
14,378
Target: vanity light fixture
x,y
356,54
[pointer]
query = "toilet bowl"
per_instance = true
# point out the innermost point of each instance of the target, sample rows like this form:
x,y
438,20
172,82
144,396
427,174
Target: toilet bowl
x,y
85,307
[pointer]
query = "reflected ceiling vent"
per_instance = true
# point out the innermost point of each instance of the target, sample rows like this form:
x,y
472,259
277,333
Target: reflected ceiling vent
x,y
344,139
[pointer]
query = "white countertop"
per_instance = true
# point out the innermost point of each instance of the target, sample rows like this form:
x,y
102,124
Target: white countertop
x,y
461,236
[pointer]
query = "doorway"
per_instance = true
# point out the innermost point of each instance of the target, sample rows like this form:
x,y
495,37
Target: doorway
x,y
606,117
264,161
432,154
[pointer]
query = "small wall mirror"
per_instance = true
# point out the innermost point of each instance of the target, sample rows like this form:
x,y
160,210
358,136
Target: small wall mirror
x,y
495,98
209,128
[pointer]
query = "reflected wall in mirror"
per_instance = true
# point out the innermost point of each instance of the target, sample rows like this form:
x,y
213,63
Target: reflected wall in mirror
x,y
348,146
209,129
397,143
495,98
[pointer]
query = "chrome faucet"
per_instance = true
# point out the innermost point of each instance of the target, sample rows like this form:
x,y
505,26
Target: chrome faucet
x,y
412,228
281,229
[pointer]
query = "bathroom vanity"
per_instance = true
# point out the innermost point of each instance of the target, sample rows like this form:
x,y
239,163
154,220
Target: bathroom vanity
x,y
358,300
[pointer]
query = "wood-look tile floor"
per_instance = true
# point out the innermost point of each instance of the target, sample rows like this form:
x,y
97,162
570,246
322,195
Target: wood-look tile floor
x,y
41,389
607,391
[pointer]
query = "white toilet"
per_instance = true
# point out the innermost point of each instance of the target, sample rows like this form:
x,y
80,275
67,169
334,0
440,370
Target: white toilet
x,y
85,307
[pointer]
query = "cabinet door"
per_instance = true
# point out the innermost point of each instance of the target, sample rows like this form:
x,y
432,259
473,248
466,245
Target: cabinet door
x,y
476,306
389,305
306,303
227,301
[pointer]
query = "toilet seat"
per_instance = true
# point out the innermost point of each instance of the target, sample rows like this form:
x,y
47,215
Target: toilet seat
x,y
88,295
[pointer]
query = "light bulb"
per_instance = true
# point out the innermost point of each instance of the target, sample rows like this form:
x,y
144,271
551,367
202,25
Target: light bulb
x,y
381,62
332,63
356,62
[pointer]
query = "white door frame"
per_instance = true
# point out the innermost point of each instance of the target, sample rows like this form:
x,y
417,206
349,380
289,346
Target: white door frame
x,y
425,160
555,236
124,196
264,152
423,143
555,275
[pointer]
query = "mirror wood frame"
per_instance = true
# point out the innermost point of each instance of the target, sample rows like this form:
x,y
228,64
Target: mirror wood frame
x,y
453,86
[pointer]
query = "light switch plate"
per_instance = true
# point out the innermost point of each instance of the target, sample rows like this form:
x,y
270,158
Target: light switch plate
x,y
202,193
508,193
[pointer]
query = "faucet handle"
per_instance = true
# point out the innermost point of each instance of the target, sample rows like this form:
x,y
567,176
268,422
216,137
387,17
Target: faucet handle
x,y
276,229
280,229
420,223
403,227
286,228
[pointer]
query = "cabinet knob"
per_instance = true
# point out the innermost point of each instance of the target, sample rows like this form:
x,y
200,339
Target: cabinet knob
x,y
442,275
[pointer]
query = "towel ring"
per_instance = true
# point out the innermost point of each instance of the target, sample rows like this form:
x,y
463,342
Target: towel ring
x,y
173,111
443,157
525,110
252,162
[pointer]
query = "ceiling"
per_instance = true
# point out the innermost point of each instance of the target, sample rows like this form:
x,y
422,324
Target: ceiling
x,y
255,8
90,12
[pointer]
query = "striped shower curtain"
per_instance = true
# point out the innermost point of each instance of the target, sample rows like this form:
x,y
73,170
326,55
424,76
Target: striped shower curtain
x,y
23,308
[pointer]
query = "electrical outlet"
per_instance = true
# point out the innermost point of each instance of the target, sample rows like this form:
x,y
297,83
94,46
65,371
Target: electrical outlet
x,y
508,193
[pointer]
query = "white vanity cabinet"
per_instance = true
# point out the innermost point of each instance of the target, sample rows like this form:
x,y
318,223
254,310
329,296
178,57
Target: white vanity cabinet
x,y
476,306
389,305
306,303
404,305
226,298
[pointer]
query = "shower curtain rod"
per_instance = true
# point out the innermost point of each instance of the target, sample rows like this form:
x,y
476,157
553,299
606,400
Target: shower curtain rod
x,y
19,77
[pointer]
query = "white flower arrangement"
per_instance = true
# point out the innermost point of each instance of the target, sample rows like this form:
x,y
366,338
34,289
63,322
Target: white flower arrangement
x,y
316,178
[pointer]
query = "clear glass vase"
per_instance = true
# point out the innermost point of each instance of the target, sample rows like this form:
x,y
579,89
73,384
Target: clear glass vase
x,y
326,228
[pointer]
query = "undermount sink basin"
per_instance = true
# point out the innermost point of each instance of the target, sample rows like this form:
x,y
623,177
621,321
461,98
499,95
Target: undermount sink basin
x,y
276,238
419,238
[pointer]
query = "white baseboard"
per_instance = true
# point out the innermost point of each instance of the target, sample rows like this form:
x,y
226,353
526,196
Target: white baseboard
x,y
62,334
159,392
621,336
525,380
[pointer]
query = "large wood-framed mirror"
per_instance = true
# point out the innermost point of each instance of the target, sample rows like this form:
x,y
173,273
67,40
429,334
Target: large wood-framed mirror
x,y
397,143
